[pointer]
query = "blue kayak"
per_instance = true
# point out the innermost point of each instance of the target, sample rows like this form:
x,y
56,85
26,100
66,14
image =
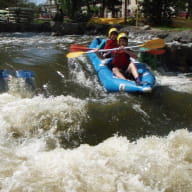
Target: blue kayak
x,y
113,84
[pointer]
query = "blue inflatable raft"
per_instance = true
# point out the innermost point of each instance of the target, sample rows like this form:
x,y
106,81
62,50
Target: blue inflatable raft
x,y
114,84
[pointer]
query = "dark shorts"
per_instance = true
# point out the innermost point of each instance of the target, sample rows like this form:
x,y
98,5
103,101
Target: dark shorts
x,y
123,71
127,74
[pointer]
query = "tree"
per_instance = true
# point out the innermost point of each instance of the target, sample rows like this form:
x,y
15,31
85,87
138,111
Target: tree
x,y
111,5
14,3
185,5
158,12
189,9
71,8
7,3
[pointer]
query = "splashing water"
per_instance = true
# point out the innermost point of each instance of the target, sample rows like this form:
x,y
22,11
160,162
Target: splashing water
x,y
46,133
34,116
177,82
150,164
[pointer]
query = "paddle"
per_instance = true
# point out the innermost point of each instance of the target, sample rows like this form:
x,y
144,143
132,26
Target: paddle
x,y
151,44
77,47
156,51
152,51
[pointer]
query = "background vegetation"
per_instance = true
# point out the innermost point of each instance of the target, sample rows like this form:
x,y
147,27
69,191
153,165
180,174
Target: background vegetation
x,y
155,12
162,12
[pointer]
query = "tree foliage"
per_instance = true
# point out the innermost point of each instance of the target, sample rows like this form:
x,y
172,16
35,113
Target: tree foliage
x,y
15,3
109,5
161,12
68,6
185,5
71,8
158,12
7,3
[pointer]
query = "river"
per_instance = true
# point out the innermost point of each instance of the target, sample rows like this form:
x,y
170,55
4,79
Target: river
x,y
69,135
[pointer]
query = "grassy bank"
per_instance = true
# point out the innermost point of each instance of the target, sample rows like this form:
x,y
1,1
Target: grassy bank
x,y
179,24
182,22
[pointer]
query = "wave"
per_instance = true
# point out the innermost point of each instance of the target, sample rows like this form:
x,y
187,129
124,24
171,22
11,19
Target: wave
x,y
149,164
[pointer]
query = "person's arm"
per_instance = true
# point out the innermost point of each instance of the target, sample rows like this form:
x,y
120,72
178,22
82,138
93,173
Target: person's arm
x,y
131,54
98,53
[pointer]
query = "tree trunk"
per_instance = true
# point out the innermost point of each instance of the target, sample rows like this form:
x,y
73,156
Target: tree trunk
x,y
103,8
124,10
188,9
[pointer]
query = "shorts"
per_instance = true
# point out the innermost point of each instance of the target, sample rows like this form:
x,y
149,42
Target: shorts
x,y
127,74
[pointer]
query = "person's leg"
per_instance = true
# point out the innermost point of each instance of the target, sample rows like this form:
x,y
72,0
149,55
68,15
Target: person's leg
x,y
117,72
133,70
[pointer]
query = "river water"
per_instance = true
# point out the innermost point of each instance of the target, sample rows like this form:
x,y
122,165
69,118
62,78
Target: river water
x,y
69,135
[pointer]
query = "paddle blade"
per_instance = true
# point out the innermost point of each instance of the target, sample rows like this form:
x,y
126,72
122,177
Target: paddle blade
x,y
77,47
154,44
75,54
156,51
152,51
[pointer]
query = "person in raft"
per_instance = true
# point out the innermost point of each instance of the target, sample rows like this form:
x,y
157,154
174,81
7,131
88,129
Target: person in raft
x,y
121,63
111,42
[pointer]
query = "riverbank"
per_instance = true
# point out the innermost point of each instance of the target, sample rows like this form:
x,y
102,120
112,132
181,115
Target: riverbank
x,y
21,27
178,49
184,36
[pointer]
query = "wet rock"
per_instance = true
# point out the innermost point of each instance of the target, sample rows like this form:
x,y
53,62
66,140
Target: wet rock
x,y
21,27
182,36
177,58
146,27
68,29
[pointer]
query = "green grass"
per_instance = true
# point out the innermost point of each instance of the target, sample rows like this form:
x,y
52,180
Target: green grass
x,y
182,22
179,24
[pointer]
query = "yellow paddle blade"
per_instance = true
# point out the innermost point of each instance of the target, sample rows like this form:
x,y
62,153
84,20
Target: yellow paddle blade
x,y
154,44
75,54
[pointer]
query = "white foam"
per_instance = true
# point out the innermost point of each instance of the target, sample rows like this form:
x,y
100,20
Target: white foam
x,y
137,107
80,76
152,164
26,117
177,82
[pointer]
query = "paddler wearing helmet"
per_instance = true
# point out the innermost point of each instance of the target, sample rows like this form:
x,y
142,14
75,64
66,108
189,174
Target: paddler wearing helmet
x,y
122,66
112,41
108,44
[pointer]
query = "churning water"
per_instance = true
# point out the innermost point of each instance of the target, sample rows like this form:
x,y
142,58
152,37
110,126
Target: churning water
x,y
69,135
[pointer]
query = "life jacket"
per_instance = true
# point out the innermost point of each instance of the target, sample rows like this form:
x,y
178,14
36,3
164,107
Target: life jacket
x,y
120,59
110,44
